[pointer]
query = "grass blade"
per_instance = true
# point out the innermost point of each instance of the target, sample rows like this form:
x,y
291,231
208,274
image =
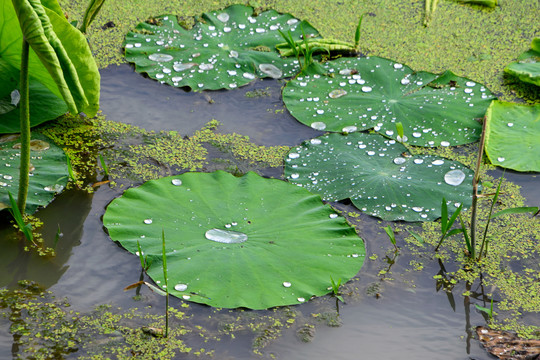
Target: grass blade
x,y
516,210
358,32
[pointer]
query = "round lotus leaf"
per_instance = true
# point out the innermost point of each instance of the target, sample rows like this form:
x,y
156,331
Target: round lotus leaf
x,y
527,68
379,176
512,136
225,49
363,93
236,241
48,171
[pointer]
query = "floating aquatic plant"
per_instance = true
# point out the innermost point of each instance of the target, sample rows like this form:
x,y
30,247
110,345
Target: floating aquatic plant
x,y
363,93
379,176
236,241
512,136
48,170
527,68
226,49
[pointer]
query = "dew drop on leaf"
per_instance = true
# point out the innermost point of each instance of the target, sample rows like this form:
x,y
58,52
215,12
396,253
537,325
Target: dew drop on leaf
x,y
176,182
454,177
318,125
160,57
271,70
180,287
225,236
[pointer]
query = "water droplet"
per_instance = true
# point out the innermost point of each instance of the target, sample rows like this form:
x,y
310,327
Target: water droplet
x,y
295,176
160,57
8,177
181,67
292,21
271,70
147,221
318,125
180,287
315,141
418,161
398,66
159,76
468,90
249,76
349,129
334,94
294,155
129,46
405,81
438,162
347,72
54,188
206,66
287,284
445,143
225,236
366,89
176,182
417,209
501,159
470,83
186,297
223,17
301,299
333,216
399,160
389,132
371,153
416,134
137,45
510,124
454,177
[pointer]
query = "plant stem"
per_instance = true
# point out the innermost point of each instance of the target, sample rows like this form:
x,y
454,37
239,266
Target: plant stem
x,y
476,180
25,129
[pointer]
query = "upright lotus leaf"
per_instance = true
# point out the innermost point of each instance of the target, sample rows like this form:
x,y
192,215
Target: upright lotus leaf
x,y
44,105
527,68
48,170
236,241
379,176
513,136
364,93
75,70
225,49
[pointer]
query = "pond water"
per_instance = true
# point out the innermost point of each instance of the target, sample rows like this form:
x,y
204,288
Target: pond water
x,y
404,318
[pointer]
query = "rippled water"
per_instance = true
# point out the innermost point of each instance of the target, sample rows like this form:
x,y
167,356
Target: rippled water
x,y
403,322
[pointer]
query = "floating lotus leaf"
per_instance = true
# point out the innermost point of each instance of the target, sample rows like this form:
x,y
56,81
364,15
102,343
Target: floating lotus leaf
x,y
48,171
527,68
364,93
512,136
379,176
225,49
44,105
236,242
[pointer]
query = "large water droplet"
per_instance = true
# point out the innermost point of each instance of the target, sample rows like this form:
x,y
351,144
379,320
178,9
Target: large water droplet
x,y
349,129
55,188
399,160
180,287
160,57
271,70
438,162
398,66
249,76
318,125
181,67
405,81
470,83
294,155
417,209
445,143
334,94
206,66
223,17
454,177
15,97
292,21
287,284
148,221
225,236
501,159
366,89
315,141
176,182
333,216
418,161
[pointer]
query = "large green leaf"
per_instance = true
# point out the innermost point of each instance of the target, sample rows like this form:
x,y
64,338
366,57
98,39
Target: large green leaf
x,y
294,242
62,48
527,68
513,136
225,49
49,173
379,176
364,93
44,105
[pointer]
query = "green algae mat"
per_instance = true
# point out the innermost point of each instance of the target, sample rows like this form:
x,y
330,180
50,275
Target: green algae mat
x,y
236,241
224,50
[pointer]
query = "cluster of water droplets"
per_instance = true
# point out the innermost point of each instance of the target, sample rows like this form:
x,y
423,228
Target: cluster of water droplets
x,y
215,54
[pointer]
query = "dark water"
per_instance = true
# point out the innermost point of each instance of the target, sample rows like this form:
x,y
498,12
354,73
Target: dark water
x,y
404,322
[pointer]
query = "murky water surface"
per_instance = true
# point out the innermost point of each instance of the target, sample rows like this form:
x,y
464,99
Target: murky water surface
x,y
406,318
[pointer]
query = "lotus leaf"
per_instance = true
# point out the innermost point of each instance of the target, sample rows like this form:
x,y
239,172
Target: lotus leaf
x,y
48,170
527,68
225,49
44,105
512,136
379,176
76,52
363,93
236,241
